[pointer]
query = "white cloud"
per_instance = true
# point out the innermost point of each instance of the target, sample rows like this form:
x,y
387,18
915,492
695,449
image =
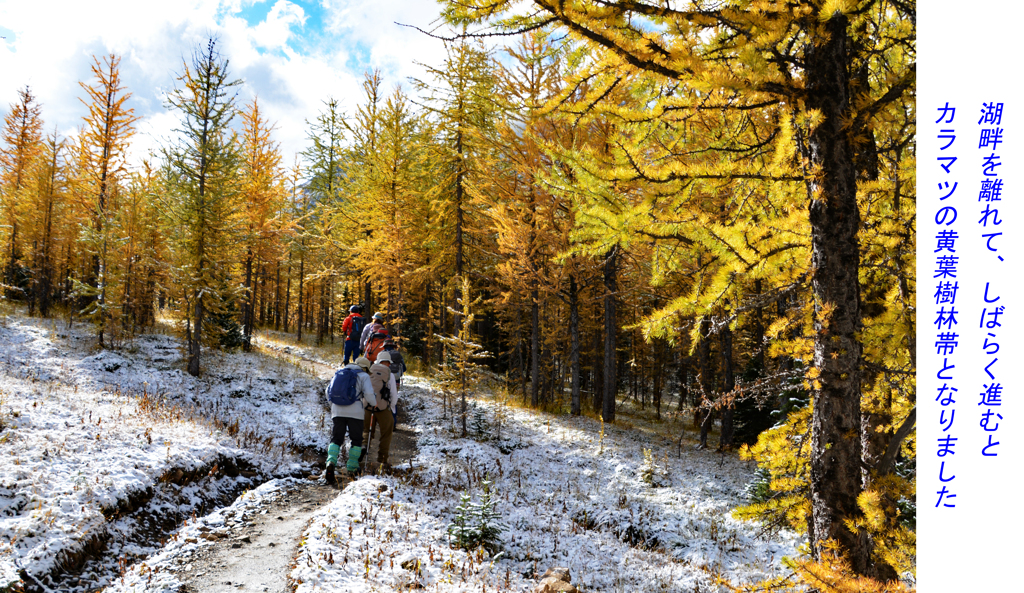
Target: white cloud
x,y
290,59
275,30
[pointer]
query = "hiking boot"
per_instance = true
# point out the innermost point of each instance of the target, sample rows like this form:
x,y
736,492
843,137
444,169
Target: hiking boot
x,y
329,475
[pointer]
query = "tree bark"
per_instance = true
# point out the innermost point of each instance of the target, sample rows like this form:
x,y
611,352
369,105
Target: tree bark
x,y
608,403
534,349
835,219
302,279
701,414
725,439
574,348
197,335
248,310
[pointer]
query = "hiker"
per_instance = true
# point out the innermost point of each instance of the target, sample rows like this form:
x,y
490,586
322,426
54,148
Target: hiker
x,y
382,414
376,344
350,391
352,327
397,363
370,329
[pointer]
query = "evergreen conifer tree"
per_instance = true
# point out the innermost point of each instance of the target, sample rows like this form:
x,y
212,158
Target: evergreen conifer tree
x,y
202,171
461,372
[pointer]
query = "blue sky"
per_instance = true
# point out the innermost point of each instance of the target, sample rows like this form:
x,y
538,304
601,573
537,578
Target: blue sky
x,y
292,54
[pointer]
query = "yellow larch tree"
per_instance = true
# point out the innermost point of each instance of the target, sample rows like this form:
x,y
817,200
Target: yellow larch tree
x,y
23,143
47,219
827,74
107,131
390,204
262,199
460,107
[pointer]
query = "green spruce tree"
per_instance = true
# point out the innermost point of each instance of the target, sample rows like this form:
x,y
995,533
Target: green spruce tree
x,y
202,169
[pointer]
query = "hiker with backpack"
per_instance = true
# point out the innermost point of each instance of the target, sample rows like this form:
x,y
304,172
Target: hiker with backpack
x,y
382,414
397,363
377,344
350,392
352,328
378,319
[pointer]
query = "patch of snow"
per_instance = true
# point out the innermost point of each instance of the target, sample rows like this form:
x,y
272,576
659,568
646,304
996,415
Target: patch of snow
x,y
569,499
85,431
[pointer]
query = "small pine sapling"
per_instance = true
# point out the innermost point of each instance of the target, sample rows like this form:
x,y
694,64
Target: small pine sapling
x,y
477,524
461,527
461,374
488,521
479,426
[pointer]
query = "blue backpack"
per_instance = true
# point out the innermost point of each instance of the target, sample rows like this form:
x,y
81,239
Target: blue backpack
x,y
358,323
342,390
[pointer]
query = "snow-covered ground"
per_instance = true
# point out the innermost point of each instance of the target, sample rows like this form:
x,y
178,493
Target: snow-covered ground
x,y
88,433
80,438
567,496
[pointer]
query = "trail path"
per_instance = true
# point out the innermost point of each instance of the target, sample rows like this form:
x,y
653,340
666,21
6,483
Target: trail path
x,y
258,554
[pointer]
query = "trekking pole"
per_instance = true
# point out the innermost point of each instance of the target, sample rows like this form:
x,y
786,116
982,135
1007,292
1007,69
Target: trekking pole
x,y
373,428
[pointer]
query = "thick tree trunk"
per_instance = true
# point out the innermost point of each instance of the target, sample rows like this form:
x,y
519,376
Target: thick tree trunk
x,y
835,219
610,288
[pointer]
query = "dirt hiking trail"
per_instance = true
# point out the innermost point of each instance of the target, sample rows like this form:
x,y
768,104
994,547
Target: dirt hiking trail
x,y
258,554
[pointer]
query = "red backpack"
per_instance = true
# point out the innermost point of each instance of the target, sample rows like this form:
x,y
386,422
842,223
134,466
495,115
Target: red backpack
x,y
375,344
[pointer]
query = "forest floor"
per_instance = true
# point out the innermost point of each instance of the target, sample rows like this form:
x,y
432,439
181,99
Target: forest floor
x,y
120,472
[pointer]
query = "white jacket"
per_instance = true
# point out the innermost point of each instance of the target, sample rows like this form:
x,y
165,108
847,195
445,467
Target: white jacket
x,y
365,391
